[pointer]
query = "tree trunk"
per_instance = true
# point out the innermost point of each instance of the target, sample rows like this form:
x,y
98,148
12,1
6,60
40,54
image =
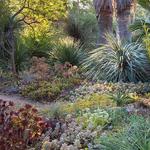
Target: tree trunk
x,y
124,19
105,23
11,43
104,14
13,64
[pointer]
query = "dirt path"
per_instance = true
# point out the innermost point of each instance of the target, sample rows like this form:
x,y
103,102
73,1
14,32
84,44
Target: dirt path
x,y
20,101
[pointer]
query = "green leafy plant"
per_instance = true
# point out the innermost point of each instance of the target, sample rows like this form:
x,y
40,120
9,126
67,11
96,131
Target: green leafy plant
x,y
116,61
147,40
121,98
138,28
118,116
95,118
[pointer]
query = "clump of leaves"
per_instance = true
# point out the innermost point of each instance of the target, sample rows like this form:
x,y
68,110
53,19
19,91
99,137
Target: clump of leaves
x,y
118,116
21,128
67,50
94,119
135,137
121,98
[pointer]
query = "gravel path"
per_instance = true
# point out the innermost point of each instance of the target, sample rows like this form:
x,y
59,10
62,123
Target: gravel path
x,y
20,101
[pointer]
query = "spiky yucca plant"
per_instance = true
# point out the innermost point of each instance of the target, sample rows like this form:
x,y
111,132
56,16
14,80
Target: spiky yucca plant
x,y
117,61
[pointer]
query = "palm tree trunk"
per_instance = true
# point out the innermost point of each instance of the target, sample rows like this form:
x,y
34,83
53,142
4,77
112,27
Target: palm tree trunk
x,y
124,19
104,14
105,25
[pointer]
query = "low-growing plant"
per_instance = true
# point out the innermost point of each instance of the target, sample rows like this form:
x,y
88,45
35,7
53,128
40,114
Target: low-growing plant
x,y
21,128
47,90
54,111
93,101
118,117
69,134
94,119
44,83
121,98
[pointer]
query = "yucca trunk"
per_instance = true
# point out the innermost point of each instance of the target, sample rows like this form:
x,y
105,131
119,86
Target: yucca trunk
x,y
124,13
104,14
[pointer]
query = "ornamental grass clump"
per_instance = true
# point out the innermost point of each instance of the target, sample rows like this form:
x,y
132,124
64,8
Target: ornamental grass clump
x,y
135,137
67,50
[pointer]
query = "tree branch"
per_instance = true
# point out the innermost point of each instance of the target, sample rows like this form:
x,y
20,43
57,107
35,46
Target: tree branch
x,y
20,10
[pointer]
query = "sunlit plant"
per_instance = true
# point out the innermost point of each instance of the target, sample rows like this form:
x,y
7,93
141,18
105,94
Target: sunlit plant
x,y
117,61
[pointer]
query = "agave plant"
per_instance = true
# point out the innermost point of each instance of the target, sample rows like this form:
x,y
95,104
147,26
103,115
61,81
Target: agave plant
x,y
117,61
67,50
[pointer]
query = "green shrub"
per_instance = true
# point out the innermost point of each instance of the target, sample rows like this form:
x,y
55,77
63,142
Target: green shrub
x,y
118,117
116,61
38,46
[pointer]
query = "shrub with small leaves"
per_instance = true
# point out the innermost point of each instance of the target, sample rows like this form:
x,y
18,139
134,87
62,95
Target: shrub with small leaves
x,y
48,86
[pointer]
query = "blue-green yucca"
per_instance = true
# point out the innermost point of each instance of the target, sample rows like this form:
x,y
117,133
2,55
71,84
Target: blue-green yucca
x,y
117,61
